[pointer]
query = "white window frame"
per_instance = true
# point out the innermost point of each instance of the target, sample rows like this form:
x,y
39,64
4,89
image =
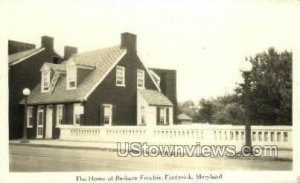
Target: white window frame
x,y
74,114
29,115
47,74
140,76
59,106
110,116
122,69
143,115
71,77
40,109
163,110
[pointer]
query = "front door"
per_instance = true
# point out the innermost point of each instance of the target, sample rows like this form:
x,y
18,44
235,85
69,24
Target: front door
x,y
49,114
40,122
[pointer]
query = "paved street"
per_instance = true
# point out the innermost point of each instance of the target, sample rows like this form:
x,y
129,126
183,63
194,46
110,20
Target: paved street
x,y
29,158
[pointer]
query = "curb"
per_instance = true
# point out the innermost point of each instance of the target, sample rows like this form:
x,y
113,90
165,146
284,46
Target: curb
x,y
115,150
64,146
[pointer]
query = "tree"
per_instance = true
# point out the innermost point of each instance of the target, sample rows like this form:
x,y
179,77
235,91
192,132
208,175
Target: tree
x,y
222,110
188,108
270,96
207,111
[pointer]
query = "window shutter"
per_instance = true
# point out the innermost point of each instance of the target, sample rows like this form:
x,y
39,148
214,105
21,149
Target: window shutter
x,y
34,117
167,115
69,115
101,115
64,118
114,115
54,109
157,116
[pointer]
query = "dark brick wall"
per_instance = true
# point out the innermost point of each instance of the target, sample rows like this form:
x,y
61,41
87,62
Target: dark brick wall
x,y
123,99
16,46
22,75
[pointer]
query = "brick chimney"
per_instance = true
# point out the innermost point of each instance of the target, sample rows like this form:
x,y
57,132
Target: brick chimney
x,y
128,41
47,42
69,51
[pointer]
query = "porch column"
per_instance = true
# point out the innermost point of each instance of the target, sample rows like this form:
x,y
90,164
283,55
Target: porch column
x,y
171,116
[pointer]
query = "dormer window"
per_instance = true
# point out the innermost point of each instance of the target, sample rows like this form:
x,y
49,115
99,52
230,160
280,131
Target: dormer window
x,y
71,78
140,78
46,81
120,76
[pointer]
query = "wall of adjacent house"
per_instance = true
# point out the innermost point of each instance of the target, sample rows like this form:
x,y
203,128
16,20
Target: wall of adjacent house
x,y
16,46
123,99
168,85
141,102
25,74
152,113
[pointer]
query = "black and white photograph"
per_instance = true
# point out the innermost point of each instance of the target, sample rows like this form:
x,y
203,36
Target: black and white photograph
x,y
150,91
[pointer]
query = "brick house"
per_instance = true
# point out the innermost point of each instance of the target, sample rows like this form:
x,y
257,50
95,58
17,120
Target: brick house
x,y
106,87
24,61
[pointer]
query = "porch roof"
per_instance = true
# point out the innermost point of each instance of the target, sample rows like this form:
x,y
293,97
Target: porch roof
x,y
154,97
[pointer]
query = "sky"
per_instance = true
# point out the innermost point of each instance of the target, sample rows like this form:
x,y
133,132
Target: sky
x,y
206,42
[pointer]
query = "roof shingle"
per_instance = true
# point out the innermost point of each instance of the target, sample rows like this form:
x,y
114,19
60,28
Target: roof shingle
x,y
102,59
154,97
17,56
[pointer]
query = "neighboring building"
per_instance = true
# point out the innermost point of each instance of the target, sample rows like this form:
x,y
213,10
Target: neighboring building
x,y
110,86
25,61
16,46
166,79
184,119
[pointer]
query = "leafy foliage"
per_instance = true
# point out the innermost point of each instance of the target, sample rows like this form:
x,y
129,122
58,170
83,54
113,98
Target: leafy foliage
x,y
268,101
270,96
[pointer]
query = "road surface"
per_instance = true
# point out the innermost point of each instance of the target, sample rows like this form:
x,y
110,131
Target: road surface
x,y
41,159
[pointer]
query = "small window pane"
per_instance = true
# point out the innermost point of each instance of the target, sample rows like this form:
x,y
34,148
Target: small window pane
x,y
140,78
78,111
46,80
59,114
71,77
120,76
40,116
29,117
107,114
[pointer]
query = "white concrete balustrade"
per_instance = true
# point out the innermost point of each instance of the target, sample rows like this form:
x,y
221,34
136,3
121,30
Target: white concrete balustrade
x,y
182,134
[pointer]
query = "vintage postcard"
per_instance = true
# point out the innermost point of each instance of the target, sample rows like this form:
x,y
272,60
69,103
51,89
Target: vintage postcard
x,y
150,91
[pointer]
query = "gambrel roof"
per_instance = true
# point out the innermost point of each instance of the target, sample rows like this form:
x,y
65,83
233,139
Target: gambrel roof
x,y
103,61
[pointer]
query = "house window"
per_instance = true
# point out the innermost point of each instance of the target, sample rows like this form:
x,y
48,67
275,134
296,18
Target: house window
x,y
45,81
140,78
78,111
143,120
71,78
29,117
40,121
120,76
59,114
162,116
107,117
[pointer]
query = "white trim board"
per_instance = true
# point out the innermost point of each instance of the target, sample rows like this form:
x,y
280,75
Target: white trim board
x,y
147,70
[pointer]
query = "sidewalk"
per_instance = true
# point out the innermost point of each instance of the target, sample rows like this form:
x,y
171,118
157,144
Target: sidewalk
x,y
283,155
